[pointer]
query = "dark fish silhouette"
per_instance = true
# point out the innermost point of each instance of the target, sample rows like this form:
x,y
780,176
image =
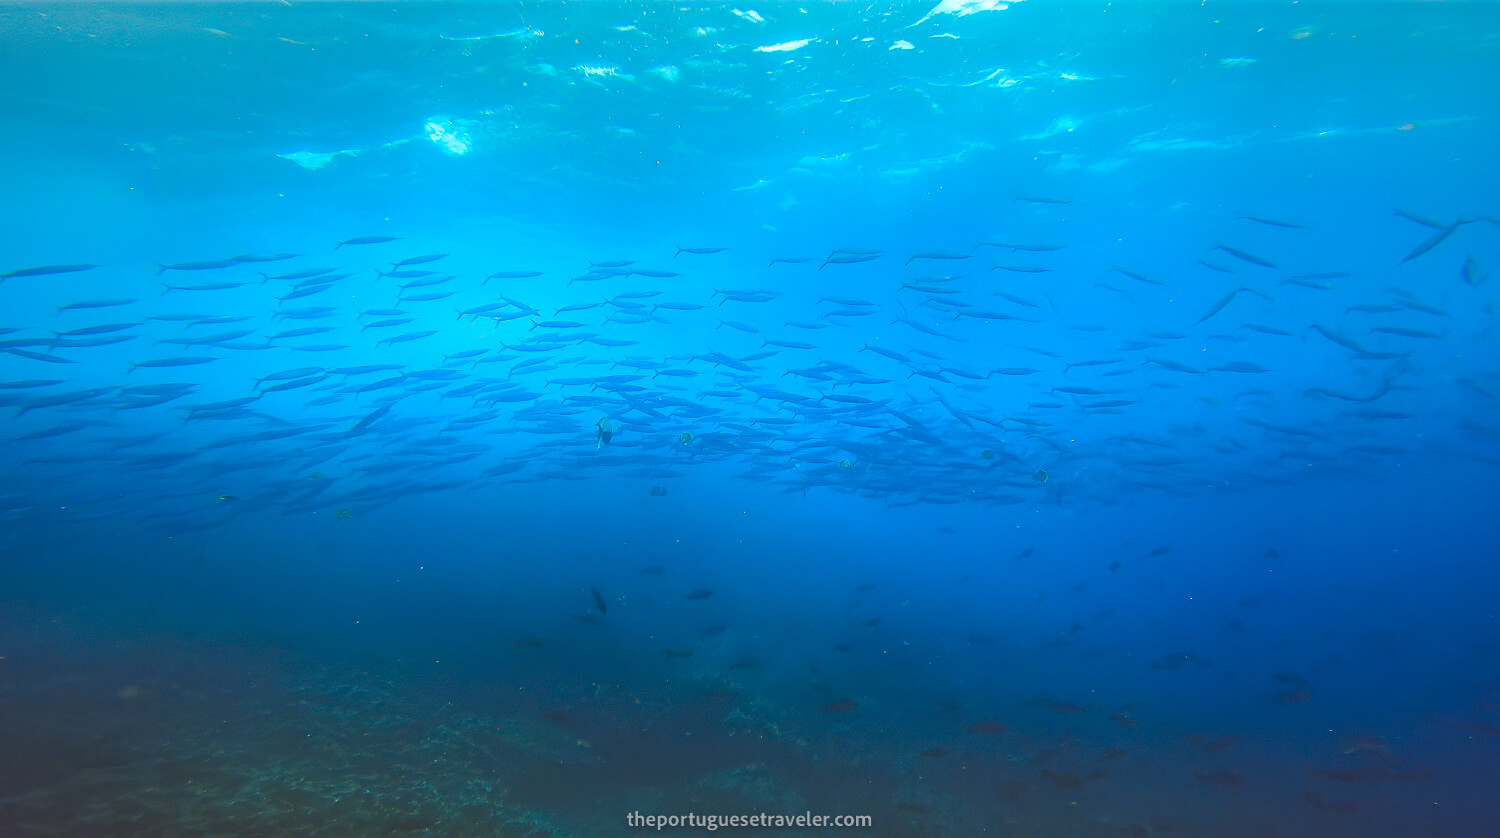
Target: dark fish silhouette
x,y
47,269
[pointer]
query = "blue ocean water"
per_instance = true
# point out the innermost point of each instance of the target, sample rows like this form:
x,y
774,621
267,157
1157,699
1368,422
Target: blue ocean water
x,y
1030,419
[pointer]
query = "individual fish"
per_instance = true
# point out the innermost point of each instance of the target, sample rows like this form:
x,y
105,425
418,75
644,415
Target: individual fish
x,y
512,275
218,264
894,356
46,270
300,372
1136,276
365,370
214,286
71,343
1471,272
307,291
37,356
949,256
1030,248
1021,269
1436,239
366,240
1307,283
29,384
305,313
1245,257
848,259
599,601
1173,366
1348,397
1271,222
410,336
97,330
185,361
1419,219
791,260
294,384
1339,339
275,257
698,251
386,324
307,274
1221,304
418,260
1034,199
371,418
94,304
1405,333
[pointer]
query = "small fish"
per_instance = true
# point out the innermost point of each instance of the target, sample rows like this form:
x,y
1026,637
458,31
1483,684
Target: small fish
x,y
1471,272
1419,219
1173,365
366,240
848,259
1220,305
1437,238
46,270
307,274
699,251
1021,269
419,260
1271,222
197,266
36,356
94,304
939,256
1245,257
599,601
186,361
216,286
1136,276
1030,248
1405,333
512,275
276,257
1339,339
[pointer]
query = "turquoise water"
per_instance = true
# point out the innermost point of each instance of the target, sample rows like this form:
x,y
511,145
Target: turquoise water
x,y
1053,419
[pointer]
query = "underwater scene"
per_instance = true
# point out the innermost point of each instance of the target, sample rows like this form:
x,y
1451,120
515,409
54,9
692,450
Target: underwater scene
x,y
571,419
